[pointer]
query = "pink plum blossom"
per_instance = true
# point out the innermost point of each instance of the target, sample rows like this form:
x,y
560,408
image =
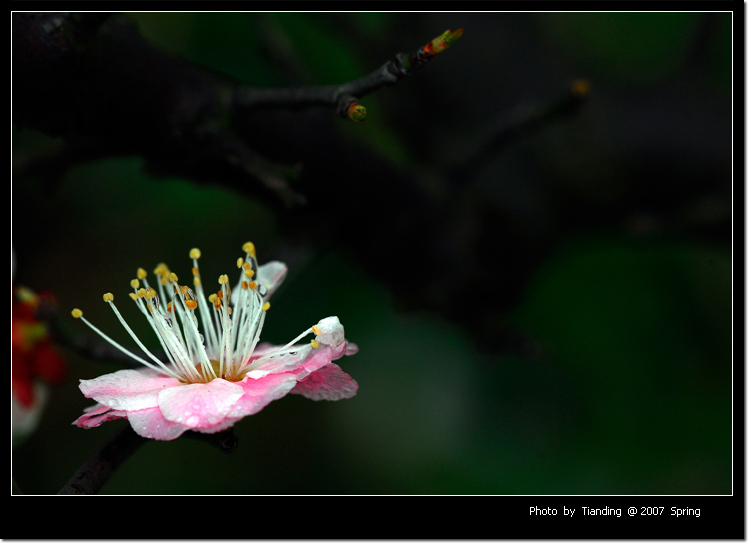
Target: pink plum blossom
x,y
214,378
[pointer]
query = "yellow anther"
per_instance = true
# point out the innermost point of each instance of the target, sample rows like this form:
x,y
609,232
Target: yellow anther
x,y
134,283
142,274
191,304
245,285
316,330
249,248
212,298
315,344
76,313
217,303
196,281
195,253
150,293
266,306
141,292
249,273
173,277
108,297
252,285
134,296
161,269
239,262
165,279
223,279
184,290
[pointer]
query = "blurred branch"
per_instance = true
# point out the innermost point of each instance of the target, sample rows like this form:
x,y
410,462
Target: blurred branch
x,y
96,471
519,123
225,441
92,475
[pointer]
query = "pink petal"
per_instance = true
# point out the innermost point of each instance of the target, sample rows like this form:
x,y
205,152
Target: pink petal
x,y
199,405
328,383
280,363
127,389
306,357
257,393
96,415
151,423
262,349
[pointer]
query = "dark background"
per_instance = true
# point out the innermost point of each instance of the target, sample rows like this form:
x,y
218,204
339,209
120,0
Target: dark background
x,y
606,235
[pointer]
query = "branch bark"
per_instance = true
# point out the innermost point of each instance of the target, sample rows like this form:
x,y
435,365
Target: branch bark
x,y
95,472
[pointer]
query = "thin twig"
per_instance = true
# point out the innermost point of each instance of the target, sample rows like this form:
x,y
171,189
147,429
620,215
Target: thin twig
x,y
345,97
519,123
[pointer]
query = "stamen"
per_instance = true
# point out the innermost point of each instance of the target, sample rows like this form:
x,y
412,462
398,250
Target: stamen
x,y
162,369
232,327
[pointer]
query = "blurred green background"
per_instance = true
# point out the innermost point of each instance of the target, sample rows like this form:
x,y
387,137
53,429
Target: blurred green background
x,y
630,387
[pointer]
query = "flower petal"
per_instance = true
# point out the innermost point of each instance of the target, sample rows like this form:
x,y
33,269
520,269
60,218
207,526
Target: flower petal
x,y
330,332
98,414
279,363
199,405
151,423
328,383
127,389
306,357
271,275
257,393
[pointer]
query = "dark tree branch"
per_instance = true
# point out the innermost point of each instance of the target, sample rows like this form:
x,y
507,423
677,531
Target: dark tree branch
x,y
92,475
519,123
104,75
345,97
96,471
